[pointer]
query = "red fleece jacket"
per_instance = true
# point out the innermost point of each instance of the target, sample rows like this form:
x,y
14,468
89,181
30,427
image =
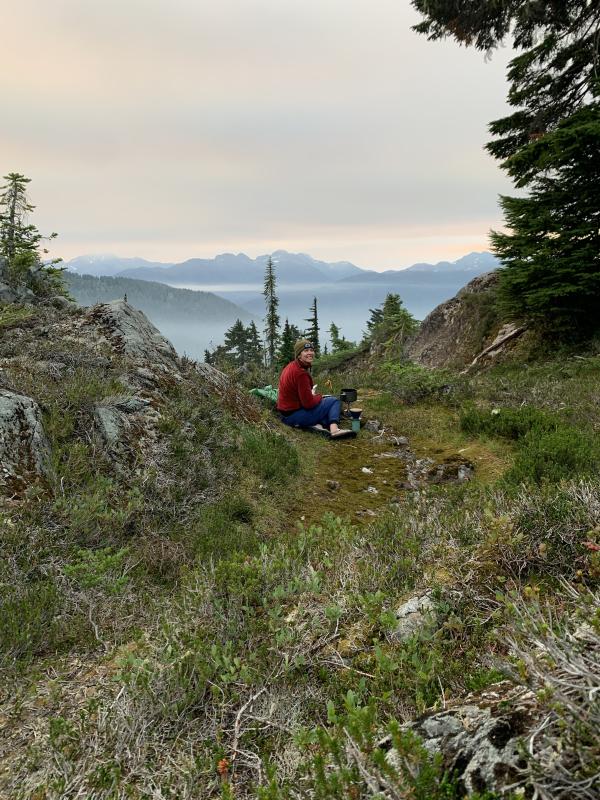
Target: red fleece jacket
x,y
295,388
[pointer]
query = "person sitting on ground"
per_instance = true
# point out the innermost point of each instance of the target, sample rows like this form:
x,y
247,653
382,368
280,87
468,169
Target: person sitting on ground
x,y
297,399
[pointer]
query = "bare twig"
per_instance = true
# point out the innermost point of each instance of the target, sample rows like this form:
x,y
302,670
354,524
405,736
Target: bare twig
x,y
238,720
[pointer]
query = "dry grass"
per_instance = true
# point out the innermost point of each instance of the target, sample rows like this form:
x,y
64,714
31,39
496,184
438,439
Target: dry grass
x,y
559,659
236,626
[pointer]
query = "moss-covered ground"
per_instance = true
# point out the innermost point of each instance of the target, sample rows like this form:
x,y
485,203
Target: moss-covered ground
x,y
358,477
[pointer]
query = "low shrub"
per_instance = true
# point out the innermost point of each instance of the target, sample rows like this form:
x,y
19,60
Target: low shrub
x,y
103,568
507,423
553,456
556,656
411,383
225,527
12,315
101,511
564,382
539,532
548,448
269,455
349,758
333,361
27,621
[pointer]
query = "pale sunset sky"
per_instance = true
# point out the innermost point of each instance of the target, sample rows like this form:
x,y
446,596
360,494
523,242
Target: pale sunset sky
x,y
180,129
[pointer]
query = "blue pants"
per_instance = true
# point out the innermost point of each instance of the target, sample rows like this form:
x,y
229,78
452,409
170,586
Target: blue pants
x,y
325,413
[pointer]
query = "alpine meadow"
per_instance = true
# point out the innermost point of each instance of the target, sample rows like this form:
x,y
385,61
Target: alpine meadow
x,y
399,600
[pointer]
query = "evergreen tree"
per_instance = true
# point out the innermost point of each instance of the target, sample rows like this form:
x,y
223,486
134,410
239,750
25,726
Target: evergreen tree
x,y
391,319
254,345
15,235
20,241
312,332
285,354
208,357
375,318
396,318
338,342
334,335
272,317
552,251
236,343
220,357
549,145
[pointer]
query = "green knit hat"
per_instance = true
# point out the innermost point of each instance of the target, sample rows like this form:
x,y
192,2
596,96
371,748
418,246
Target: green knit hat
x,y
301,345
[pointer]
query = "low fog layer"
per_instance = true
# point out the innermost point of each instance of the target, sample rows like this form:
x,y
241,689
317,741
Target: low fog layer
x,y
195,315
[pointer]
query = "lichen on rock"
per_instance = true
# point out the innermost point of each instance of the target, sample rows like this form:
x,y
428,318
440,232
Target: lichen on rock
x,y
480,739
131,333
412,616
24,449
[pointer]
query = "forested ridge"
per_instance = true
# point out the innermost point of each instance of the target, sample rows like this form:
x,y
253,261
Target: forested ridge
x,y
155,299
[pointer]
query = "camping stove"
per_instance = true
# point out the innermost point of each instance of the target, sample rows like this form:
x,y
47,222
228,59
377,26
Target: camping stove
x,y
348,396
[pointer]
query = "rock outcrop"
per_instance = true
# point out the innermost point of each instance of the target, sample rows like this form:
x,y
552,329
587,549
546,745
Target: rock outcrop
x,y
22,289
122,420
46,345
448,336
131,333
465,330
505,335
11,294
24,450
480,739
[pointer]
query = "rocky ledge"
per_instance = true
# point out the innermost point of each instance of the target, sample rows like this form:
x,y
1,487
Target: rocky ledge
x,y
44,343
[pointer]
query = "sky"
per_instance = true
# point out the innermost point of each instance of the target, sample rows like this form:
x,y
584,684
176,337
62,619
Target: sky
x,y
173,129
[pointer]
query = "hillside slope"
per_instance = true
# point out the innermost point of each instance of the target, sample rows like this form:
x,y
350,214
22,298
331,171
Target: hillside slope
x,y
193,320
157,300
199,602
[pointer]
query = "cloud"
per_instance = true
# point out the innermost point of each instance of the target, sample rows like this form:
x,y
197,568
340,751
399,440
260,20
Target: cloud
x,y
189,123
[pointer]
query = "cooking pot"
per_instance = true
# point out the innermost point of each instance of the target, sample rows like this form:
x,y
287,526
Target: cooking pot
x,y
348,395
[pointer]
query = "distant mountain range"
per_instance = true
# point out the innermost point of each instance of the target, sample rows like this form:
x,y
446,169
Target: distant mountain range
x,y
345,292
291,268
105,264
223,269
471,265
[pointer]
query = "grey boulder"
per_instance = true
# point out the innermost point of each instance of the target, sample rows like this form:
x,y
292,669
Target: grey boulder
x,y
412,616
24,448
7,294
131,333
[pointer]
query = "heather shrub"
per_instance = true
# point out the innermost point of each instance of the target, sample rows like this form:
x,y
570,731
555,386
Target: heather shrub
x,y
548,449
556,655
269,455
554,455
507,423
27,621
